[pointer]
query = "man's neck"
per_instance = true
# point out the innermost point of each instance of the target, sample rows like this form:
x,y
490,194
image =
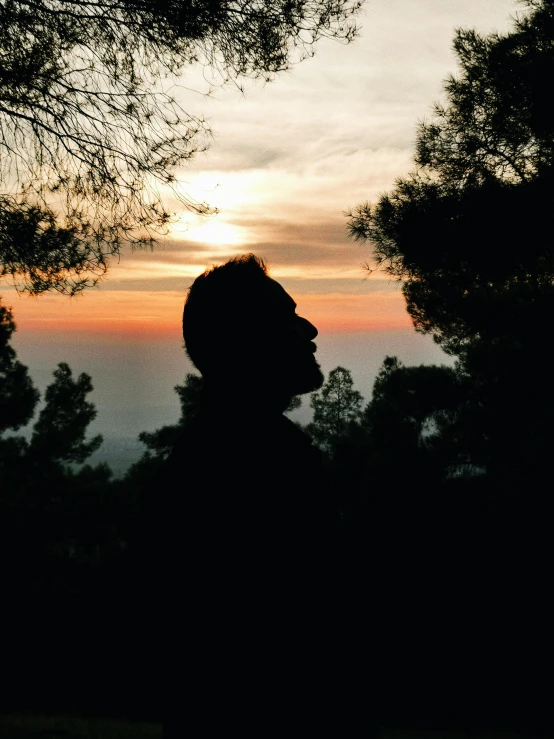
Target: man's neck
x,y
248,401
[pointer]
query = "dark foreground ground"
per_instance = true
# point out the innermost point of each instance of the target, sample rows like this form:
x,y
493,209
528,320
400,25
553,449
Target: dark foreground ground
x,y
18,726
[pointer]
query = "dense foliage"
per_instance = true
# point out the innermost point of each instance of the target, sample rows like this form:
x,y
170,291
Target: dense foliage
x,y
469,234
92,124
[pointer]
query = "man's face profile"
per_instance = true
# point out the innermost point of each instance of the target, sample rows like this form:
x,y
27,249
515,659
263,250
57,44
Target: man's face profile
x,y
286,342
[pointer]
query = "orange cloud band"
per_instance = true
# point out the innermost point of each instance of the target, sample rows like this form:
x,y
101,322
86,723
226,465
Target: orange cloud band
x,y
154,314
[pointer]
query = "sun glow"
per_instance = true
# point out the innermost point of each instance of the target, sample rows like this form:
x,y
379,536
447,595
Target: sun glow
x,y
212,231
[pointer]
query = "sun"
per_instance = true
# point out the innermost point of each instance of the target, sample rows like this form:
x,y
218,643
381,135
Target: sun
x,y
218,233
213,231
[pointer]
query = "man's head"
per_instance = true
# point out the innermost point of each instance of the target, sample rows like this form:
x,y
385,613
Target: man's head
x,y
241,326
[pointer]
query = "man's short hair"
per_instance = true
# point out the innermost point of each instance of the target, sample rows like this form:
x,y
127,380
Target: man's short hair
x,y
220,306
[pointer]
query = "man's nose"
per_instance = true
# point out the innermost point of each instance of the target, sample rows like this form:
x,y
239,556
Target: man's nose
x,y
306,329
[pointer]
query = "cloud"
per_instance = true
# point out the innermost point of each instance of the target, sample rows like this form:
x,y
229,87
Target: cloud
x,y
287,159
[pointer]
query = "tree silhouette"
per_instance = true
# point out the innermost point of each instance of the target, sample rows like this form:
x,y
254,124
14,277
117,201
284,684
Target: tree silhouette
x,y
159,443
18,400
57,445
139,483
465,232
92,129
57,514
336,407
59,433
445,230
18,396
468,233
414,414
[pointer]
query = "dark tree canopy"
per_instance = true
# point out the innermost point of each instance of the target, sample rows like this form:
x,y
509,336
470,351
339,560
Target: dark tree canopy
x,y
468,229
92,128
469,232
336,407
160,442
18,395
60,430
39,469
414,416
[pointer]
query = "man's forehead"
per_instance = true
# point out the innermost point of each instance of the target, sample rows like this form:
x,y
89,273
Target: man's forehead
x,y
279,296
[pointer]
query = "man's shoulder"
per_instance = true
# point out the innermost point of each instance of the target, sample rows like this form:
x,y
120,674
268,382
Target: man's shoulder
x,y
240,446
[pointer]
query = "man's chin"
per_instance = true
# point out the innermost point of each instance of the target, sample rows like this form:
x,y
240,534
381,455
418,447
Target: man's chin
x,y
309,381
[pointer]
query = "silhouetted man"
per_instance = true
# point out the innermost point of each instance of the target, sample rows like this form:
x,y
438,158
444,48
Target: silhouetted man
x,y
251,646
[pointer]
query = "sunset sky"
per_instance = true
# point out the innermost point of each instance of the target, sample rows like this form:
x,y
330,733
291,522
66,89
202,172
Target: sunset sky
x,y
286,161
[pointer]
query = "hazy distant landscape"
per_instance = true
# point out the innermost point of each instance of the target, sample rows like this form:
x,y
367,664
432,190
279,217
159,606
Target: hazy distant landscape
x,y
133,381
